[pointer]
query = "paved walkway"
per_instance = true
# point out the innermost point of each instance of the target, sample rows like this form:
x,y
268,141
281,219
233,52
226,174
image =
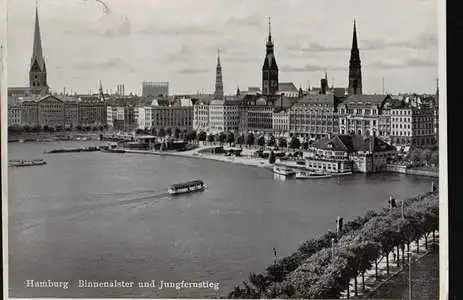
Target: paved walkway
x,y
372,284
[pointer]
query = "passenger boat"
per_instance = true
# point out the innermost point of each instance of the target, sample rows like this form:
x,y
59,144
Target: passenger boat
x,y
311,175
186,187
25,162
282,170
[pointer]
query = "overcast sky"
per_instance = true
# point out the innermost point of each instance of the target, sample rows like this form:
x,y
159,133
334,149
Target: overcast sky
x,y
128,42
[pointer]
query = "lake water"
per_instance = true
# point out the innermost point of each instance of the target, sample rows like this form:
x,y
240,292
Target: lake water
x,y
103,216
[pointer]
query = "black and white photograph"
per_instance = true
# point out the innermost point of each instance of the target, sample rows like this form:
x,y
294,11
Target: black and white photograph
x,y
222,149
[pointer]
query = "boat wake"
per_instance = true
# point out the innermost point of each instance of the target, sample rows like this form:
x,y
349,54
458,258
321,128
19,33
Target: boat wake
x,y
85,210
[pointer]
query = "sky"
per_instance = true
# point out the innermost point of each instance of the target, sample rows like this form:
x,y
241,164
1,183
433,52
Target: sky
x,y
127,42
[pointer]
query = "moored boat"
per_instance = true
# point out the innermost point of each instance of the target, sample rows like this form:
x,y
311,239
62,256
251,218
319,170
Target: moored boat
x,y
26,162
282,170
311,175
186,187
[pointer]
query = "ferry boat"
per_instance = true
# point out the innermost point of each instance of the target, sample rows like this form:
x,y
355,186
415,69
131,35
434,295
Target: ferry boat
x,y
281,170
25,162
311,175
186,187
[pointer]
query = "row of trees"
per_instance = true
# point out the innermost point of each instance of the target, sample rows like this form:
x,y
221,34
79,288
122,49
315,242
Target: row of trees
x,y
46,128
314,272
227,138
427,157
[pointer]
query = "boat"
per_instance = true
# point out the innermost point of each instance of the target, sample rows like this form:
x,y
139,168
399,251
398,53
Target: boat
x,y
26,162
281,170
186,187
311,175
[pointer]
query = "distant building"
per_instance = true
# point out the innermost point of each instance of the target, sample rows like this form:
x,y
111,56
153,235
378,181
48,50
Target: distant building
x,y
38,72
201,116
288,89
176,115
256,115
14,115
359,114
92,112
155,89
71,114
224,115
50,111
344,153
412,126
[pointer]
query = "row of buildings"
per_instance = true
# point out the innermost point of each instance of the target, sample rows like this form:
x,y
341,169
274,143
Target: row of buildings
x,y
277,108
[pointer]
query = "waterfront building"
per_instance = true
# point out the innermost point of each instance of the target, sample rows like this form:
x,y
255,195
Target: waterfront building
x,y
359,114
29,113
178,114
50,111
155,89
201,116
280,121
355,69
412,126
270,69
14,114
315,115
218,94
115,116
71,113
224,115
144,116
92,112
256,114
344,153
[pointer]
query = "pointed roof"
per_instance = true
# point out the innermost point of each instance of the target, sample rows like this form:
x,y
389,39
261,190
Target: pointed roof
x,y
37,59
354,38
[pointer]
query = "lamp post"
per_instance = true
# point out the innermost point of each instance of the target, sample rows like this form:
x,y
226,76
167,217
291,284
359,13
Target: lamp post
x,y
409,275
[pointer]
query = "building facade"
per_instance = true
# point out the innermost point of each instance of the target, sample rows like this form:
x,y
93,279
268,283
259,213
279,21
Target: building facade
x,y
92,112
201,116
359,114
224,115
71,114
51,112
155,89
14,115
355,68
315,116
256,115
177,115
38,72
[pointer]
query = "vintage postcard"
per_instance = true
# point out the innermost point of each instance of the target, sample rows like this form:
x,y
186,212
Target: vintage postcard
x,y
221,149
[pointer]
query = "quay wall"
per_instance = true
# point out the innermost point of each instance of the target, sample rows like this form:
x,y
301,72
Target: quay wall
x,y
410,171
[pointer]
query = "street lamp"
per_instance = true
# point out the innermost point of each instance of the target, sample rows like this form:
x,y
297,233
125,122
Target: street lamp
x,y
409,253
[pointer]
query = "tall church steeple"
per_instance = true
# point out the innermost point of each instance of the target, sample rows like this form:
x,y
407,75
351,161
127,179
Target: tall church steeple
x,y
355,69
269,68
218,94
38,72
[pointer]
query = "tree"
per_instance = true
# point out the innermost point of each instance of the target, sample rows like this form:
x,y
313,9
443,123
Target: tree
x,y
46,128
210,138
146,131
169,131
434,159
162,132
202,136
271,157
271,141
250,139
282,143
425,156
139,131
294,143
27,128
305,145
240,139
105,126
221,137
153,131
230,138
177,132
261,141
191,136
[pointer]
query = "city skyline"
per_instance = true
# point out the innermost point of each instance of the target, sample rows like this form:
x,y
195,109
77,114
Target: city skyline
x,y
407,59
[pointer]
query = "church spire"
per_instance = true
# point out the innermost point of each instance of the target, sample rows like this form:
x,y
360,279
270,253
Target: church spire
x,y
218,94
269,68
355,69
38,71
